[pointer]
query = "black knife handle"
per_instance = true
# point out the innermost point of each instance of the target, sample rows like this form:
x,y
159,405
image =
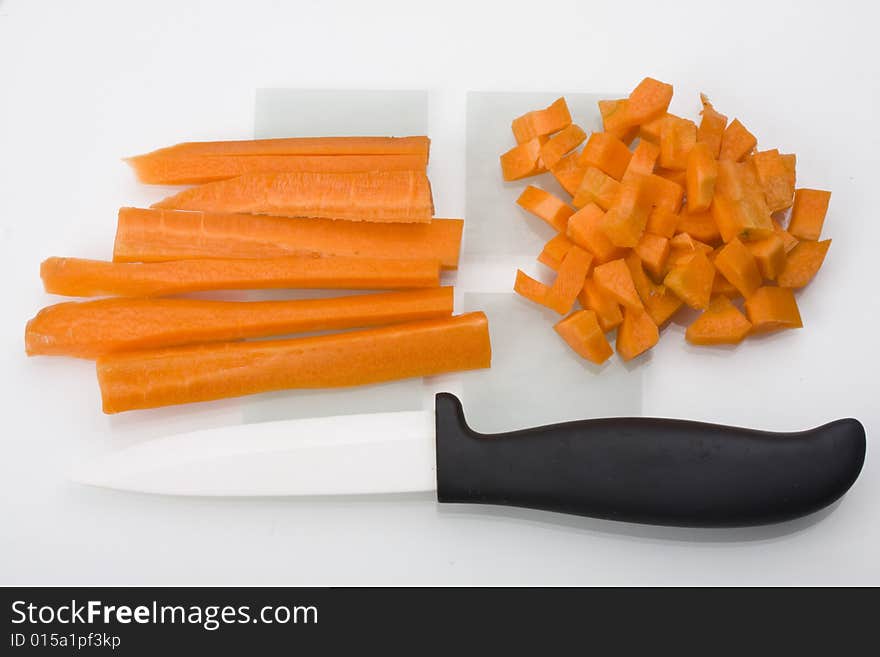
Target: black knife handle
x,y
664,472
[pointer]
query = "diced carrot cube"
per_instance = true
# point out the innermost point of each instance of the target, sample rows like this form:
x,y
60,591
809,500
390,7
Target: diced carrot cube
x,y
648,100
615,121
775,178
606,152
712,127
521,161
691,281
615,279
569,280
662,222
568,172
721,323
808,213
561,143
773,308
738,266
596,187
802,263
737,142
636,334
702,172
626,219
582,332
789,240
643,161
541,122
545,206
769,254
660,303
585,230
554,251
653,251
677,138
607,309
699,225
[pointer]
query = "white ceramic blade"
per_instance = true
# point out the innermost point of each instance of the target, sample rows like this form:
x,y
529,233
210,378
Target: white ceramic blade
x,y
342,455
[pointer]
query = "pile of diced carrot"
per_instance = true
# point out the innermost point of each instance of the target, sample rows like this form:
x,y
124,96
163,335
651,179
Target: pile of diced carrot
x,y
664,213
346,213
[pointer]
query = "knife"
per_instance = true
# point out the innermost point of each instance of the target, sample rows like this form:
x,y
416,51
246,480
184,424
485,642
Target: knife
x,y
657,471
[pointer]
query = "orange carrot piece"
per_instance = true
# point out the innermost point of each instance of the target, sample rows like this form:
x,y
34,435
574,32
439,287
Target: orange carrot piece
x,y
772,309
677,138
581,331
643,161
737,142
739,207
699,225
769,254
648,100
418,145
650,130
808,213
626,219
89,329
554,211
721,323
615,122
653,251
585,230
691,281
662,222
554,251
178,375
702,172
661,192
528,288
538,123
712,125
802,263
737,264
607,309
561,143
144,235
788,240
679,177
523,160
569,280
721,286
776,179
77,277
615,280
596,187
660,303
684,242
607,153
569,173
393,196
636,334
158,169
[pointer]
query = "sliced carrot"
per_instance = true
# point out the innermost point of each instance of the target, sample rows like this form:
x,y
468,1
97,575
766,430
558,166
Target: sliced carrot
x,y
699,225
769,254
682,247
585,230
776,179
636,334
144,235
677,138
569,280
178,375
545,206
739,207
93,328
721,286
660,303
615,121
582,332
702,172
77,277
538,123
808,213
158,169
523,160
393,196
721,323
561,143
788,240
607,309
662,222
653,251
615,280
418,145
596,187
625,221
802,263
607,153
737,142
662,193
738,266
528,288
773,308
648,100
643,161
569,173
554,251
691,281
679,177
649,131
712,125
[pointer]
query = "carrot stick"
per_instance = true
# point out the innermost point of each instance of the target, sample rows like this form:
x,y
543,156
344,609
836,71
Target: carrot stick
x,y
392,196
158,235
180,375
77,277
159,169
301,146
89,329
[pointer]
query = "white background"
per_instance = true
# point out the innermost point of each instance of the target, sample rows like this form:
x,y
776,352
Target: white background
x,y
83,83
